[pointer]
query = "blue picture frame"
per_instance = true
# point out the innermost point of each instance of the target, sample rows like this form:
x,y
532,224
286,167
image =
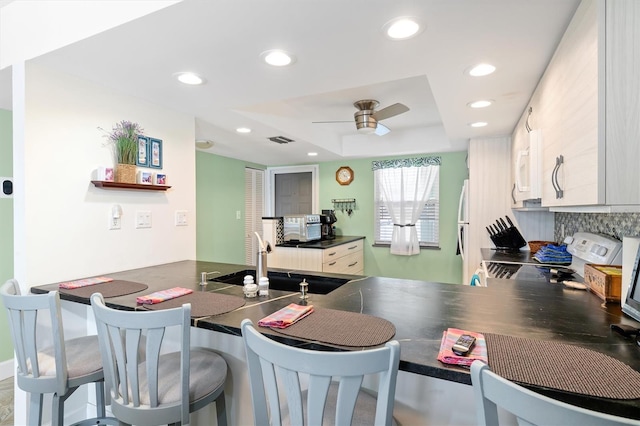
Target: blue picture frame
x,y
154,153
142,159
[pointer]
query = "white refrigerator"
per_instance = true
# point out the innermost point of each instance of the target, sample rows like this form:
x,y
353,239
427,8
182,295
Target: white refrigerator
x,y
463,230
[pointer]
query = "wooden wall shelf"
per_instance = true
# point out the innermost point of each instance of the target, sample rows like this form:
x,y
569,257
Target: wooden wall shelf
x,y
135,186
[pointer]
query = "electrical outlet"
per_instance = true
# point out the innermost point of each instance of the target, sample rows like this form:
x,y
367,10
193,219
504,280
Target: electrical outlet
x,y
115,223
143,219
181,218
238,215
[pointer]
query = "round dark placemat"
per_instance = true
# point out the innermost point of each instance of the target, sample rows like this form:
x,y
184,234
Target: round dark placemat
x,y
202,304
113,288
341,328
560,366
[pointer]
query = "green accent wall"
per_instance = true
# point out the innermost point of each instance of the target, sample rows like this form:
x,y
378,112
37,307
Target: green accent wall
x,y
6,225
430,265
219,195
220,236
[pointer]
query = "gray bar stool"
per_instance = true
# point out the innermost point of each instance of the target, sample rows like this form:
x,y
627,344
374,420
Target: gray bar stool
x,y
166,386
59,366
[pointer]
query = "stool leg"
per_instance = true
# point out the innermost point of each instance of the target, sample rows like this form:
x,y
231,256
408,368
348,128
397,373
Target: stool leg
x,y
221,410
100,402
35,409
57,410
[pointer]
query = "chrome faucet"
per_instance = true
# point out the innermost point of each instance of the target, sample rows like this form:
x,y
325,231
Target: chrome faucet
x,y
261,263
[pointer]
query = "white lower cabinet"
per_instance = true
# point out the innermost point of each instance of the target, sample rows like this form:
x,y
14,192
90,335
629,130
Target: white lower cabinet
x,y
345,258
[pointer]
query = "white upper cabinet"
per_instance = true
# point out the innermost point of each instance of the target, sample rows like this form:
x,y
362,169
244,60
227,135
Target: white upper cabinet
x,y
587,107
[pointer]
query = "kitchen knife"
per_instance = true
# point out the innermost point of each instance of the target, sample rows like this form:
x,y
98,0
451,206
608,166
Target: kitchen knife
x,y
504,224
499,226
489,231
510,223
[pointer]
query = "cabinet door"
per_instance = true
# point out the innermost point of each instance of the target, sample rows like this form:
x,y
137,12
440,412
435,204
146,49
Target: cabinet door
x,y
622,105
567,102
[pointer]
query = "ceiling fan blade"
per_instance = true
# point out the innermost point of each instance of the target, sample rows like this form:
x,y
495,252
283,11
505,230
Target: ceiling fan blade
x,y
381,129
390,111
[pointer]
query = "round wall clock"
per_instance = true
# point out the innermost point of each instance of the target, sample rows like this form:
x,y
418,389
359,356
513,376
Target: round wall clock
x,y
344,175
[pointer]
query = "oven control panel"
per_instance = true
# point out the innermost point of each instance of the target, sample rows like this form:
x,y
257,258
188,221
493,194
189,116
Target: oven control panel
x,y
594,248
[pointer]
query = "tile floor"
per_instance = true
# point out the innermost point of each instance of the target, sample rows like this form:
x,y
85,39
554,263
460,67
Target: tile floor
x,y
6,402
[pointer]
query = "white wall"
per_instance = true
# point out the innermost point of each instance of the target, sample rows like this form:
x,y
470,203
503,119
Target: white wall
x,y
63,231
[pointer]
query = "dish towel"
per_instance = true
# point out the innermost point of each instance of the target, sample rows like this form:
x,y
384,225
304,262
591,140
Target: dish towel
x,y
553,254
162,295
85,282
286,316
449,337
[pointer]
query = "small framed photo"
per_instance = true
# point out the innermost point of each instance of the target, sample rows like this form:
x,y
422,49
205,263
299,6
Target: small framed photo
x,y
142,159
160,179
155,153
105,173
145,178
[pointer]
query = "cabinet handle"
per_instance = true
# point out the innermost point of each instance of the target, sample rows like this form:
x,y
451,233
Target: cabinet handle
x,y
332,253
353,264
332,263
352,247
554,177
513,197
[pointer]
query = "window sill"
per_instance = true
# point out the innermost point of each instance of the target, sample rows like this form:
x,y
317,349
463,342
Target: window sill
x,y
421,247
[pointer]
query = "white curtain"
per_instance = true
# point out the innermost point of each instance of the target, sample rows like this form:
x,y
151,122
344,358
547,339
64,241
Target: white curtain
x,y
404,192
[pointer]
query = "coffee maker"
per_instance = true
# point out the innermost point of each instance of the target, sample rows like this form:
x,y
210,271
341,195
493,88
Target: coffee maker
x,y
328,218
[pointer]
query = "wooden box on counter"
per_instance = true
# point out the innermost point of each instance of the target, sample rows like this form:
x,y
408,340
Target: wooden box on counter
x,y
604,280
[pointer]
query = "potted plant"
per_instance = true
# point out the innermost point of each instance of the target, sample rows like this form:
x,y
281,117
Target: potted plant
x,y
123,139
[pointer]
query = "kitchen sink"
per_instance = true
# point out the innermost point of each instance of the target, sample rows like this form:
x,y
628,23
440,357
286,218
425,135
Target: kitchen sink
x,y
287,281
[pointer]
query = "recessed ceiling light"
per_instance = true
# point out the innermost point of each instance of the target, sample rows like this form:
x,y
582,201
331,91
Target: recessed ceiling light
x,y
478,124
480,104
312,154
402,28
481,70
277,58
189,78
243,130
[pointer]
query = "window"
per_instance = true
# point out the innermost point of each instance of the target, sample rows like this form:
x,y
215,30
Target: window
x,y
406,197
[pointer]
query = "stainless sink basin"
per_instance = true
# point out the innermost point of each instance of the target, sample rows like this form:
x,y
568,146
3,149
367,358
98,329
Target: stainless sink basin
x,y
287,281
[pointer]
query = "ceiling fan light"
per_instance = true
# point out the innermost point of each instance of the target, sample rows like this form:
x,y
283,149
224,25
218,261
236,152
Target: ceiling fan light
x,y
366,130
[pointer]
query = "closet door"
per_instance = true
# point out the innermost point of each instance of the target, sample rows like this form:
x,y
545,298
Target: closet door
x,y
253,211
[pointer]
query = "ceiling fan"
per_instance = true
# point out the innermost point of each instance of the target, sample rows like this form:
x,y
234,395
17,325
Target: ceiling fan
x,y
367,118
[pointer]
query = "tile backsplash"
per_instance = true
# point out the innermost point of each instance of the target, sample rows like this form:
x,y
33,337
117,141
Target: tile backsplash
x,y
616,225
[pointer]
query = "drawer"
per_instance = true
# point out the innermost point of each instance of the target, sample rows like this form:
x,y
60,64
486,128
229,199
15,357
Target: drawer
x,y
334,253
352,263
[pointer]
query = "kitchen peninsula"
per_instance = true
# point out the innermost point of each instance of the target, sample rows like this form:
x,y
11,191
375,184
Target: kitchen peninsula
x,y
420,311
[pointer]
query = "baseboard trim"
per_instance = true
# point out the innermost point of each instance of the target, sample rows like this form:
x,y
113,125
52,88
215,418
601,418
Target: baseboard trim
x,y
7,369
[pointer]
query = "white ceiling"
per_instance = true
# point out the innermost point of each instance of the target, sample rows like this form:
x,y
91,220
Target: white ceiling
x,y
342,56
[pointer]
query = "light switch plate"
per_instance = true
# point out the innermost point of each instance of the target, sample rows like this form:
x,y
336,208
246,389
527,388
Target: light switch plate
x,y
181,218
143,219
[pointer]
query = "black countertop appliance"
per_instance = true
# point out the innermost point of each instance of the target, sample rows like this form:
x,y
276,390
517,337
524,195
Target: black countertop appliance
x,y
328,218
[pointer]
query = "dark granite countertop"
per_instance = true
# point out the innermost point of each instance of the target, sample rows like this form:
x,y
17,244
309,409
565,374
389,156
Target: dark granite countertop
x,y
421,311
323,244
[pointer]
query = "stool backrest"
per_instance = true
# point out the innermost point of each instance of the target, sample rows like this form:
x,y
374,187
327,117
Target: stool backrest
x,y
29,338
124,337
492,391
268,359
